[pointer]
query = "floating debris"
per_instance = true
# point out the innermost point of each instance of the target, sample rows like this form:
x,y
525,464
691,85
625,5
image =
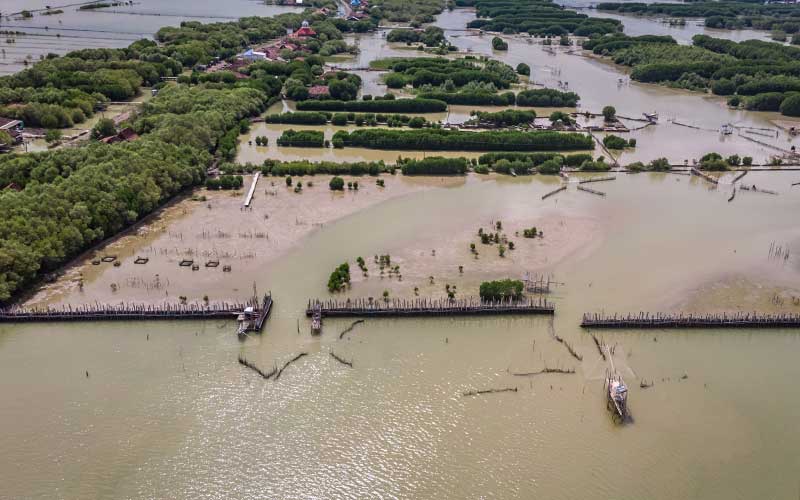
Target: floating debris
x,y
341,360
568,371
489,391
350,328
599,347
590,190
265,375
278,375
597,179
555,191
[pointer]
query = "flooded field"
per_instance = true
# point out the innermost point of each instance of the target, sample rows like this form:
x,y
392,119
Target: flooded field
x,y
164,410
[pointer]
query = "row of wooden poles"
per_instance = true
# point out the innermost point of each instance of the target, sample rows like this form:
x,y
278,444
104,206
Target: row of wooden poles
x,y
424,306
662,320
125,310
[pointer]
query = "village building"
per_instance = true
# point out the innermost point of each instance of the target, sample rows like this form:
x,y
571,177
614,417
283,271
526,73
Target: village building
x,y
318,91
305,31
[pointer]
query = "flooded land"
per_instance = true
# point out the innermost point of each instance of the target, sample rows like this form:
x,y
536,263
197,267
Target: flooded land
x,y
162,409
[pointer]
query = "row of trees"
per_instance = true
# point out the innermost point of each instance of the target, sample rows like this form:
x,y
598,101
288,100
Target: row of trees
x,y
540,98
304,167
418,105
434,165
456,140
302,138
505,118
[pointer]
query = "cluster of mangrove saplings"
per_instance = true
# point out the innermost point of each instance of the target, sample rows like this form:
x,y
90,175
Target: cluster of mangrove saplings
x,y
340,278
501,290
490,238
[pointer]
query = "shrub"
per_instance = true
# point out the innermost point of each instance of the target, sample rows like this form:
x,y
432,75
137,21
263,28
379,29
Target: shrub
x,y
614,142
550,167
499,44
340,278
610,113
336,184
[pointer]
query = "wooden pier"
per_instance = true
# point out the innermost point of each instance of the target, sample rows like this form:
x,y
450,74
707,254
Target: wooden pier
x,y
135,312
249,198
426,307
662,320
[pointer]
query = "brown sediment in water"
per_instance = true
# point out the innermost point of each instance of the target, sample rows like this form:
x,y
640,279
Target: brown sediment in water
x,y
740,293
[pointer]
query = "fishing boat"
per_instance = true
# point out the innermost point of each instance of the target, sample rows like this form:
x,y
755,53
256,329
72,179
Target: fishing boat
x,y
617,396
651,117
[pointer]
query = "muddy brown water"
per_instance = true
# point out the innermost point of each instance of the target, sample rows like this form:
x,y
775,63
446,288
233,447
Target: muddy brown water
x,y
168,412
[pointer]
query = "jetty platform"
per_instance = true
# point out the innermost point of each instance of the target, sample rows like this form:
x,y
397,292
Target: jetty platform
x,y
426,307
661,320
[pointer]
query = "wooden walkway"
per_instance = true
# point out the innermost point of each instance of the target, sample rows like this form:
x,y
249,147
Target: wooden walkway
x,y
426,307
660,320
252,190
134,312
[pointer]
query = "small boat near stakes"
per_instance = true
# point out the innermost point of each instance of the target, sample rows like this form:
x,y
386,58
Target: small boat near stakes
x,y
617,393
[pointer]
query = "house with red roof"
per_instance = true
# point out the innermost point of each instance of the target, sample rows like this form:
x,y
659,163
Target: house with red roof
x,y
305,31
